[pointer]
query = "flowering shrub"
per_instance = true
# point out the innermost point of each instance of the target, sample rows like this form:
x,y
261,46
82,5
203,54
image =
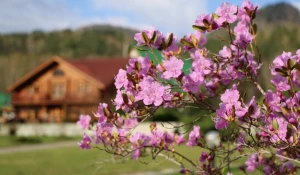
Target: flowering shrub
x,y
144,86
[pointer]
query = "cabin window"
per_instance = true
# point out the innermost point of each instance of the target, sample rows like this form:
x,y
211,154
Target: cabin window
x,y
59,90
33,90
58,72
30,90
84,88
81,88
88,88
36,89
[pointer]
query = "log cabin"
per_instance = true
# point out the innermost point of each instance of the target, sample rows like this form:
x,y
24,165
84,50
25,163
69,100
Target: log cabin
x,y
59,90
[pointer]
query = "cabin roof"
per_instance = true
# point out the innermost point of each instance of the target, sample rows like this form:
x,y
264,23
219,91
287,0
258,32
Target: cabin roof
x,y
101,71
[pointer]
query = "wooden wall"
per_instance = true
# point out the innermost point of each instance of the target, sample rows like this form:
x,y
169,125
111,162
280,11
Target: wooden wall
x,y
48,86
58,95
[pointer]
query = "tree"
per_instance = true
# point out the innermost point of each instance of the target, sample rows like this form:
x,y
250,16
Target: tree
x,y
265,132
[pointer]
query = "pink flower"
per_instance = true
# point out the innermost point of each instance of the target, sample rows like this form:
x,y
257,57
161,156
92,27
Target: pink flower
x,y
256,110
194,136
280,61
200,39
136,154
180,139
281,131
243,38
252,163
86,142
286,167
241,27
152,92
221,119
139,139
130,123
84,121
273,100
225,52
202,65
226,13
101,108
190,85
103,133
203,157
173,68
155,44
207,19
241,141
156,137
121,79
231,96
242,13
118,101
281,83
144,65
168,139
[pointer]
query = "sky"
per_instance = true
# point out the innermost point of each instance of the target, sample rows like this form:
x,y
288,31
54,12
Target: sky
x,y
175,16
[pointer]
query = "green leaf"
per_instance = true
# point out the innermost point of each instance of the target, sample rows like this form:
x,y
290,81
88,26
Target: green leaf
x,y
290,64
253,13
152,126
199,28
106,112
137,66
154,37
145,37
186,42
248,11
237,10
131,97
206,23
275,124
295,139
215,16
284,111
141,48
194,40
125,98
250,110
115,134
170,40
163,45
296,66
255,29
281,72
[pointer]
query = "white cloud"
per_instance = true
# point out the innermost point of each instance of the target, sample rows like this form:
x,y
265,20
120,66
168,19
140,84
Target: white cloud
x,y
167,15
29,15
296,3
24,15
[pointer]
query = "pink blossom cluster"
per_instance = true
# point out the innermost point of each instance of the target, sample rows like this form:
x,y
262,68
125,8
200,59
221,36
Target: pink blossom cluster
x,y
146,85
113,133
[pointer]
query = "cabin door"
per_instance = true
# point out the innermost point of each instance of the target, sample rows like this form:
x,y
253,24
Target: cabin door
x,y
55,114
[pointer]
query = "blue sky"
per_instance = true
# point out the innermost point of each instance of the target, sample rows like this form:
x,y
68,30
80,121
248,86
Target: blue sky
x,y
167,15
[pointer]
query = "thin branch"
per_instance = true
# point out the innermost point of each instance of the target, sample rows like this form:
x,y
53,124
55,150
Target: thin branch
x,y
259,87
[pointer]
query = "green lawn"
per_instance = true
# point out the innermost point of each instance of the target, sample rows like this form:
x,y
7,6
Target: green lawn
x,y
7,141
73,161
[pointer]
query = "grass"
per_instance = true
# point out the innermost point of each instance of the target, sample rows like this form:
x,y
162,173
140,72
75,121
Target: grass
x,y
71,161
74,161
7,141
